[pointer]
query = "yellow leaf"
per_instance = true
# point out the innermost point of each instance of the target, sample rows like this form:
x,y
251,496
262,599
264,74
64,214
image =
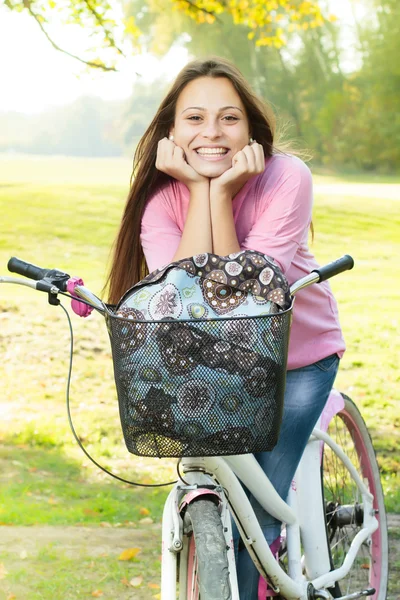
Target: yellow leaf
x,y
129,554
97,593
11,597
136,581
144,511
131,27
3,571
146,521
153,586
90,512
157,596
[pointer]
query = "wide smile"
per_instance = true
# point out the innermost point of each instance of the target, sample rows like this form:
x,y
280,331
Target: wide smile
x,y
212,154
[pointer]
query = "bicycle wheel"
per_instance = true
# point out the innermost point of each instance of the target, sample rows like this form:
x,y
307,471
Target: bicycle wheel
x,y
344,509
207,561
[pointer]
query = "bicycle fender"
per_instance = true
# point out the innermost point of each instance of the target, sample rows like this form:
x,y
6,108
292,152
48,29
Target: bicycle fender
x,y
334,404
195,494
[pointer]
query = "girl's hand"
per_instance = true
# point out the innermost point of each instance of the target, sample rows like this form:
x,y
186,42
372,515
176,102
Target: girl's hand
x,y
245,164
171,160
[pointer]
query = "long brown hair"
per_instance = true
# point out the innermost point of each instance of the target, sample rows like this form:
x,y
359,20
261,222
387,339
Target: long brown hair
x,y
128,263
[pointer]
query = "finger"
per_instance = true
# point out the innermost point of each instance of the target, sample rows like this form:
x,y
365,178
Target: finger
x,y
178,154
165,149
239,161
179,163
159,155
259,156
251,158
162,147
179,157
258,149
169,145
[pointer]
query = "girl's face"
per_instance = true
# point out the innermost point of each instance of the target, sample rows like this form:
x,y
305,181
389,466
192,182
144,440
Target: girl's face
x,y
210,125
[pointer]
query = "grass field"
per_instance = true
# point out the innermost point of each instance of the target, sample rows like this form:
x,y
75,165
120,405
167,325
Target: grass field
x,y
64,213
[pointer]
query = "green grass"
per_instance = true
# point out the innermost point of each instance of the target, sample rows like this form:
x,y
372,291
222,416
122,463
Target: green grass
x,y
105,575
327,175
46,486
67,564
368,228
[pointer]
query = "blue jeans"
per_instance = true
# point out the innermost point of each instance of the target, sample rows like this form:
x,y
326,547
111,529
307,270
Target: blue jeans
x,y
307,390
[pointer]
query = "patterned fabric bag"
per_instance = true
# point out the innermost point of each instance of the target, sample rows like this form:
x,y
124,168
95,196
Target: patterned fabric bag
x,y
200,351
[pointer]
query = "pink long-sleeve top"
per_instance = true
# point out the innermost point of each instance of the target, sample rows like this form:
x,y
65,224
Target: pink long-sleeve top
x,y
272,214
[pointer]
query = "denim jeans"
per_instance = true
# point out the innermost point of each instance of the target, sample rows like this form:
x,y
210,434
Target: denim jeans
x,y
307,390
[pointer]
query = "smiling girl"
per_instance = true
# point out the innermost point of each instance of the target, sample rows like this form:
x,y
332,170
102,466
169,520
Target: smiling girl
x,y
208,178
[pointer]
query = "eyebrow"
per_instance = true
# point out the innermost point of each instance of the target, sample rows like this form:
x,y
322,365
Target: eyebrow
x,y
203,109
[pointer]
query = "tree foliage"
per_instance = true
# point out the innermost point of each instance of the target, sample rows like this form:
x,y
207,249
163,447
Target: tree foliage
x,y
267,21
353,119
97,17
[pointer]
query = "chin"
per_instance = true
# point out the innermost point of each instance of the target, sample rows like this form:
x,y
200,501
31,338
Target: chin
x,y
211,170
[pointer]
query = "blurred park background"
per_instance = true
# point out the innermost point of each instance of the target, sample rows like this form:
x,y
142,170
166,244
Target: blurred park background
x,y
80,81
333,78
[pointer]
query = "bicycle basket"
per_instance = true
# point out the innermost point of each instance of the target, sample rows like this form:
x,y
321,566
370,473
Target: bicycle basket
x,y
200,357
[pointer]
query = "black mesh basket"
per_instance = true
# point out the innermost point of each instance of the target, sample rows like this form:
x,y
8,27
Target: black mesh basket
x,y
206,387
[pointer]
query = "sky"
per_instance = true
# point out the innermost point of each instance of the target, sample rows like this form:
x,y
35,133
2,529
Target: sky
x,y
34,76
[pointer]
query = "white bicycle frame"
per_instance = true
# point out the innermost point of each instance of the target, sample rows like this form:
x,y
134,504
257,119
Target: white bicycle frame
x,y
303,514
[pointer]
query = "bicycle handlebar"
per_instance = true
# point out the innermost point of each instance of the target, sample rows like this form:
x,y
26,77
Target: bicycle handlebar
x,y
333,268
16,265
52,280
345,263
53,277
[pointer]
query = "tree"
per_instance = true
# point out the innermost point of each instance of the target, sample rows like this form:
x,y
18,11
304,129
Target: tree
x,y
353,119
267,22
98,17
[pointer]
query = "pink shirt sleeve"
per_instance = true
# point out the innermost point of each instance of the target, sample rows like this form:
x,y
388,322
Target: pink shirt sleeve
x,y
283,214
160,235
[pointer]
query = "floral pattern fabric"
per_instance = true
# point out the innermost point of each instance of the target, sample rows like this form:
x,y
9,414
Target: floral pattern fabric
x,y
200,351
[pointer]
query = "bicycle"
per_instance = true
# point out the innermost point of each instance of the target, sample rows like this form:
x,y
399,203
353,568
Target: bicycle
x,y
334,540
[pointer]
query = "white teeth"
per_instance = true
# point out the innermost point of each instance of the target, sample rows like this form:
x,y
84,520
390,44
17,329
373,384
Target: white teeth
x,y
211,151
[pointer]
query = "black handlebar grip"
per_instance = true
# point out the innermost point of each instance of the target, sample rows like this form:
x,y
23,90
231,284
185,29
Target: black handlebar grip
x,y
16,265
345,263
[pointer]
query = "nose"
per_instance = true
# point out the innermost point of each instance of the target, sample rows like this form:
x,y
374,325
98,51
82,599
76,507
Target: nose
x,y
211,129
